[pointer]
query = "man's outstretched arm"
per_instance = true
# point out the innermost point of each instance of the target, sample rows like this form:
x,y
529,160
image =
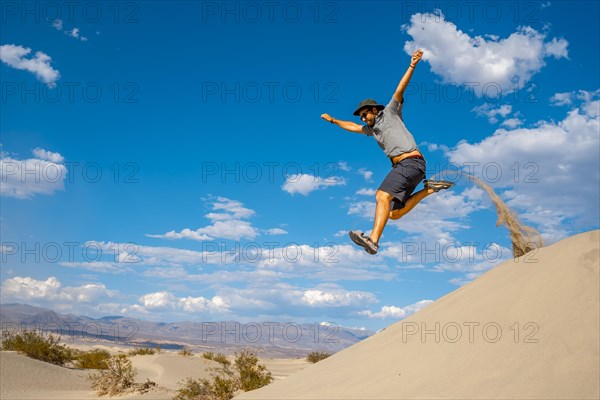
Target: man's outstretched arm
x,y
399,94
347,125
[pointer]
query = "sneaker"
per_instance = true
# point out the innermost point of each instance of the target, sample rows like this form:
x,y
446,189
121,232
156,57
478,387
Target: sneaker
x,y
364,241
438,185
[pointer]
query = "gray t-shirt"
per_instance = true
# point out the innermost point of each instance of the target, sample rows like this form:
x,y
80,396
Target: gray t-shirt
x,y
390,132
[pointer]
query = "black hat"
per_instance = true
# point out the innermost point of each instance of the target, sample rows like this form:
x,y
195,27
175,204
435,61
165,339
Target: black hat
x,y
368,103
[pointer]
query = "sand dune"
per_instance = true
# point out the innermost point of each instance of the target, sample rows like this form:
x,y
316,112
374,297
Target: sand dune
x,y
281,368
168,369
528,328
25,378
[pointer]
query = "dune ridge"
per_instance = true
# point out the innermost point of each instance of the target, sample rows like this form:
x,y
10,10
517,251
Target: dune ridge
x,y
529,328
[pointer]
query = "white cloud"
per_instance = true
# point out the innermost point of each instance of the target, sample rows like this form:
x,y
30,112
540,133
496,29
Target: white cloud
x,y
506,64
29,288
228,223
587,96
274,298
97,266
233,209
48,156
276,231
343,166
90,292
543,168
25,178
397,312
491,112
471,261
164,301
557,48
158,300
156,255
52,290
57,24
259,262
231,229
592,109
365,209
183,234
201,304
167,301
434,146
271,299
305,183
331,262
512,123
562,99
16,56
366,174
336,298
568,98
366,192
74,32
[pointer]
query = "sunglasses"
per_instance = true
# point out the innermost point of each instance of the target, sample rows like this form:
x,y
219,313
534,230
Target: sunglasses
x,y
364,114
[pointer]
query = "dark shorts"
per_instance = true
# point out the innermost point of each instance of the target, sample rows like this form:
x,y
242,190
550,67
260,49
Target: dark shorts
x,y
402,180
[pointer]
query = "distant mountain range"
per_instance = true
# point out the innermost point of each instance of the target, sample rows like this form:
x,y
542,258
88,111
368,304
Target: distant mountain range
x,y
271,339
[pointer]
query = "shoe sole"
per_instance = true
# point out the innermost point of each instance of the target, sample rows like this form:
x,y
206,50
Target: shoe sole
x,y
440,186
355,238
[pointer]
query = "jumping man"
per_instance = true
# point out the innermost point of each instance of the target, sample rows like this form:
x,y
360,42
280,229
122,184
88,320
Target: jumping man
x,y
395,195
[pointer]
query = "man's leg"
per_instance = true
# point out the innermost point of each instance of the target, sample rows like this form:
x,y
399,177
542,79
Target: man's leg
x,y
382,213
411,202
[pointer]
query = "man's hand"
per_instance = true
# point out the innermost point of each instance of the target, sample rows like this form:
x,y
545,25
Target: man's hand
x,y
347,125
416,57
414,60
327,117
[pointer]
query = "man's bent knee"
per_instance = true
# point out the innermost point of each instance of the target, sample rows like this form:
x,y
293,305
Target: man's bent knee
x,y
380,195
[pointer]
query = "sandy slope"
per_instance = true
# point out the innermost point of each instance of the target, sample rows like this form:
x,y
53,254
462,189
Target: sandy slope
x,y
281,368
526,329
168,369
25,378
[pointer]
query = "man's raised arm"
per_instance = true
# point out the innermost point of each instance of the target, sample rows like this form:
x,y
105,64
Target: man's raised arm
x,y
399,94
347,125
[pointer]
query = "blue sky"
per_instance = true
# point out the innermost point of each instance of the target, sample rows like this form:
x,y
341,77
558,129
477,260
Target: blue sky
x,y
167,160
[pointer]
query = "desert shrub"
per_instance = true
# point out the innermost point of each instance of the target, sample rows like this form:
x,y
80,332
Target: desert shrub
x,y
37,345
186,352
316,356
145,387
93,359
143,351
219,357
117,378
194,389
220,388
245,374
251,374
